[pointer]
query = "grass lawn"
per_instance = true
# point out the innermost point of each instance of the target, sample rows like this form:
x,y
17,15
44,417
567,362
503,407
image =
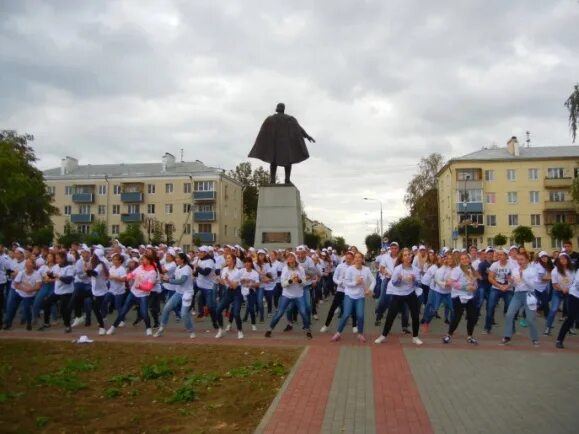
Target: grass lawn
x,y
137,388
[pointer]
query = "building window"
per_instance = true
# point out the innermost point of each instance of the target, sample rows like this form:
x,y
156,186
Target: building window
x,y
489,175
186,247
151,188
186,208
84,229
511,174
84,209
117,190
536,243
472,218
468,174
491,198
168,208
169,229
471,195
102,210
51,189
102,190
556,244
555,172
491,220
116,209
557,196
169,188
533,174
534,196
560,218
187,228
187,187
205,208
204,185
68,190
133,208
512,197
535,219
67,210
205,228
490,242
513,220
151,208
115,229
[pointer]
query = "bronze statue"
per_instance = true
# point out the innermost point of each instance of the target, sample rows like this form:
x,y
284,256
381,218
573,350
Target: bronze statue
x,y
280,142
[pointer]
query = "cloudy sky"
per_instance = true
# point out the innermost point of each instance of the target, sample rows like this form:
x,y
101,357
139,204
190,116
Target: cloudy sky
x,y
377,84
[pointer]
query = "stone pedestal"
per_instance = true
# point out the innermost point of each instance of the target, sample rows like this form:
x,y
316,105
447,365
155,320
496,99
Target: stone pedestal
x,y
279,217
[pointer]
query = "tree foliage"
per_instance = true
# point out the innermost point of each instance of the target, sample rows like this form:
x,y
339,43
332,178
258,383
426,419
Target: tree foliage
x,y
69,235
247,231
132,236
312,240
25,205
98,234
251,180
405,231
523,234
572,104
562,231
499,240
373,244
339,244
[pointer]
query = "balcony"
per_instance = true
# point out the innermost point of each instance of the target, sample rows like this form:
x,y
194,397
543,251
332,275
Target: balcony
x,y
131,196
552,217
81,218
204,237
565,205
132,218
204,216
470,207
558,183
472,229
83,197
204,195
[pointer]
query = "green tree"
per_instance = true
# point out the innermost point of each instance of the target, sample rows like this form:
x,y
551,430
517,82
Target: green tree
x,y
169,240
25,205
572,104
405,231
42,236
340,244
250,180
247,231
98,234
69,235
421,197
499,240
373,244
132,236
312,240
523,234
562,231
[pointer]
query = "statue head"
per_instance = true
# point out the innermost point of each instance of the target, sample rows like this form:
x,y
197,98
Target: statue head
x,y
280,108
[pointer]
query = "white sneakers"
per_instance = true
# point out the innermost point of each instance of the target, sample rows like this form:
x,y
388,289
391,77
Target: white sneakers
x,y
228,327
77,321
380,339
149,332
324,329
355,330
253,328
102,331
336,337
121,324
192,335
220,333
240,335
159,332
416,341
111,331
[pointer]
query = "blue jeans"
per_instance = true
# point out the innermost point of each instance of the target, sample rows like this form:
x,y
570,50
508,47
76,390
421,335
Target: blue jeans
x,y
382,300
432,306
142,302
15,300
172,303
518,300
284,303
209,296
543,299
117,301
482,294
260,307
307,296
556,299
251,305
230,297
351,304
494,297
45,290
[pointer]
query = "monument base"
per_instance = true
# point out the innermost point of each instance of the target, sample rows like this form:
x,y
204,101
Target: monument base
x,y
279,217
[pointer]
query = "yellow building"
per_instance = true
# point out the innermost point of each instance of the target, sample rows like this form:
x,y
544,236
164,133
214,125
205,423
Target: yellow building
x,y
318,228
494,190
190,200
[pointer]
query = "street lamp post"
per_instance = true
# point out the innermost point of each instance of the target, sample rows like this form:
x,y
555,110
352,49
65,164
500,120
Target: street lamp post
x,y
381,215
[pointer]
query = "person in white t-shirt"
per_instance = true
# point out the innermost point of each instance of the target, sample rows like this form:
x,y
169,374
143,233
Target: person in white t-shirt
x,y
572,312
25,285
230,277
117,284
99,274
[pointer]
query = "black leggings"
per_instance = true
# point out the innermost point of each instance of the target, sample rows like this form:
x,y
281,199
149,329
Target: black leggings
x,y
471,315
572,316
397,303
155,307
64,300
97,303
338,301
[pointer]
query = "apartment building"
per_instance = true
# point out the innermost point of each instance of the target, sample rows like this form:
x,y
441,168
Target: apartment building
x,y
318,228
494,190
189,200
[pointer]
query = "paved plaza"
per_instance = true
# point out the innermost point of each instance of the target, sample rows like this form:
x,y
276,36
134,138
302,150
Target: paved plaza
x,y
396,387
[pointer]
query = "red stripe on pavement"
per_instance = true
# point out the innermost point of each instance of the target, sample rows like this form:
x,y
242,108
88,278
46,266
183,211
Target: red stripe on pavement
x,y
397,402
302,406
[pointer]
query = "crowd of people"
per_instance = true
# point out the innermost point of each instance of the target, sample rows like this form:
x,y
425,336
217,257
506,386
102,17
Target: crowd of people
x,y
47,286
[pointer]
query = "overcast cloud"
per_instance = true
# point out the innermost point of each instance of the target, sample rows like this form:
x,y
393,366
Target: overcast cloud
x,y
377,84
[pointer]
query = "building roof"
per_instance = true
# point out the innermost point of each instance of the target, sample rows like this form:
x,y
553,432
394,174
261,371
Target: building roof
x,y
530,153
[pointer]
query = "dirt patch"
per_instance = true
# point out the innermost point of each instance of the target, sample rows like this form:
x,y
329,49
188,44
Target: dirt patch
x,y
137,388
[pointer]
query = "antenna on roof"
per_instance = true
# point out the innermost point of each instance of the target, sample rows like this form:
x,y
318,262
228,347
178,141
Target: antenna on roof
x,y
528,134
181,155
